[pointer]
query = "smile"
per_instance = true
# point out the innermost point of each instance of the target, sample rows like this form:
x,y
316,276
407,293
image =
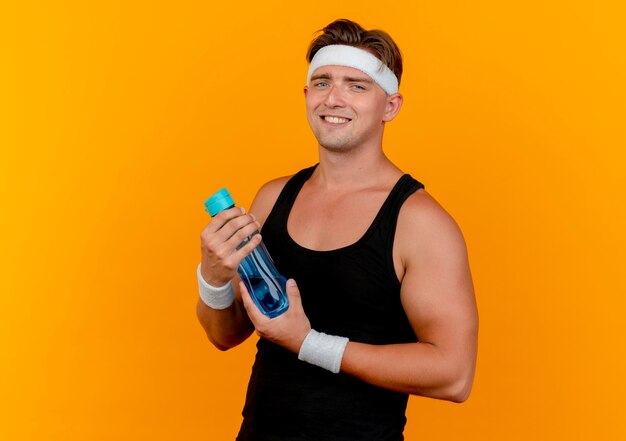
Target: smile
x,y
335,119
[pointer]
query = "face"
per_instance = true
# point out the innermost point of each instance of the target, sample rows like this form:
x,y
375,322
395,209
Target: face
x,y
346,108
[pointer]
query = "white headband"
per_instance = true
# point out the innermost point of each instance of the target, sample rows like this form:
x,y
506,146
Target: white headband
x,y
350,56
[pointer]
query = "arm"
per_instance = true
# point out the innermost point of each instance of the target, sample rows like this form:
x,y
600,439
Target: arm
x,y
228,327
438,298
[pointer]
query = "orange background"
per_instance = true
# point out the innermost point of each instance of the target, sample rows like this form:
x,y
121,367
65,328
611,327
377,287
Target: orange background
x,y
120,118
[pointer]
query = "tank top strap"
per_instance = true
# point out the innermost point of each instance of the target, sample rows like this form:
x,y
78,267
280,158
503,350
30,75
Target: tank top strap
x,y
286,198
388,216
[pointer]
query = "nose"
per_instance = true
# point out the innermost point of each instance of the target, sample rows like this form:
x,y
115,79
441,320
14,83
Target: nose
x,y
334,97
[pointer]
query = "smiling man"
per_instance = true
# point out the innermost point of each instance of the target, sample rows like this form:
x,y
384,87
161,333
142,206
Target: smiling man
x,y
381,298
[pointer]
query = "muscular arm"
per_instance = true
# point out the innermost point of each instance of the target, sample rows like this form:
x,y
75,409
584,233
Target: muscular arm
x,y
229,327
438,298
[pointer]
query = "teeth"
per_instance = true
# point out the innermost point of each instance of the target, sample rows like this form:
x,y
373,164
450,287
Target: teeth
x,y
336,120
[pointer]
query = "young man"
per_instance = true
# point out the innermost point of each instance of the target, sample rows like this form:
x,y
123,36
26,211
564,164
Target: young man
x,y
384,305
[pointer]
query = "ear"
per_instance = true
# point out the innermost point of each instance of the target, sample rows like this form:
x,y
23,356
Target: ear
x,y
306,89
392,107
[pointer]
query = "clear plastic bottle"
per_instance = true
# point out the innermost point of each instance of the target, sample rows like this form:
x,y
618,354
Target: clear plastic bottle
x,y
266,285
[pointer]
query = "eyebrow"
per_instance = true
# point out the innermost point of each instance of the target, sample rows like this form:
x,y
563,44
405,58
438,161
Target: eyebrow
x,y
326,76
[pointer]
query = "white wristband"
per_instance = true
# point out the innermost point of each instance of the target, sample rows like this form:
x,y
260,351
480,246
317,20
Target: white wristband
x,y
216,298
323,350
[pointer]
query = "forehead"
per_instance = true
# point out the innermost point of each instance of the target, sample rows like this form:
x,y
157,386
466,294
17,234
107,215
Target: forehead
x,y
340,72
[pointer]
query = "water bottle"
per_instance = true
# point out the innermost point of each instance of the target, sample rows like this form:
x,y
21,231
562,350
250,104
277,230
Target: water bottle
x,y
266,285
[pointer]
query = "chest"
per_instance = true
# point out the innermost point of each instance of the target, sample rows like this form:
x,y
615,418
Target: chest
x,y
325,222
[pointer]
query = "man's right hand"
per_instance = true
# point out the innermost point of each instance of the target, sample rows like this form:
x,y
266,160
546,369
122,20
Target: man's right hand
x,y
219,242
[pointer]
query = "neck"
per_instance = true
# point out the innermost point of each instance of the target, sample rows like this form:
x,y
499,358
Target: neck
x,y
355,168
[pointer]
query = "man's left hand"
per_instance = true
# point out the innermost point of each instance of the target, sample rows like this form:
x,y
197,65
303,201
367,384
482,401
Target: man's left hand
x,y
288,329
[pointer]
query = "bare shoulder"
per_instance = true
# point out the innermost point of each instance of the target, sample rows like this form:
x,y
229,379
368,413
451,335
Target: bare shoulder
x,y
437,287
425,229
266,198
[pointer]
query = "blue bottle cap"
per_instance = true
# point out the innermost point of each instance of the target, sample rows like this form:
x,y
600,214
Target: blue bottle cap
x,y
220,201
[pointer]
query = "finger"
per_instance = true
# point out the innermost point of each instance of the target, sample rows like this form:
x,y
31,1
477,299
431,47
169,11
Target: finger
x,y
235,225
245,250
222,218
225,242
241,236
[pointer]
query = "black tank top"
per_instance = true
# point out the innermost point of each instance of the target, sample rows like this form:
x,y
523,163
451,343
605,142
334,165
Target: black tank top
x,y
352,292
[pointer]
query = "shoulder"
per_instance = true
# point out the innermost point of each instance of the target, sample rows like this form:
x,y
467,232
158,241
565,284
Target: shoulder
x,y
266,198
422,210
426,230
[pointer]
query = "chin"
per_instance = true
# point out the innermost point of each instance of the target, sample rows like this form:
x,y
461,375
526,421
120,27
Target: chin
x,y
336,146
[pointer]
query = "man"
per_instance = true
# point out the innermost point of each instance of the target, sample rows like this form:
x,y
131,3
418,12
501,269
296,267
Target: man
x,y
384,305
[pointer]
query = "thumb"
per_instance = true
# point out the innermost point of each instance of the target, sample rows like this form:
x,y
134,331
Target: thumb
x,y
293,292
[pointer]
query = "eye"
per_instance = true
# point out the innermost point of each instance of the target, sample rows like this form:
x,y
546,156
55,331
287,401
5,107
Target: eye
x,y
321,84
358,87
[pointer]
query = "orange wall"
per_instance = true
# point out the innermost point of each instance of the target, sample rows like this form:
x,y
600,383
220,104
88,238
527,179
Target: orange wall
x,y
120,118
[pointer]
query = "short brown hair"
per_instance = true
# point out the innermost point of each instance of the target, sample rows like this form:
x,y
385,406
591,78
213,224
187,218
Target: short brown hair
x,y
347,32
